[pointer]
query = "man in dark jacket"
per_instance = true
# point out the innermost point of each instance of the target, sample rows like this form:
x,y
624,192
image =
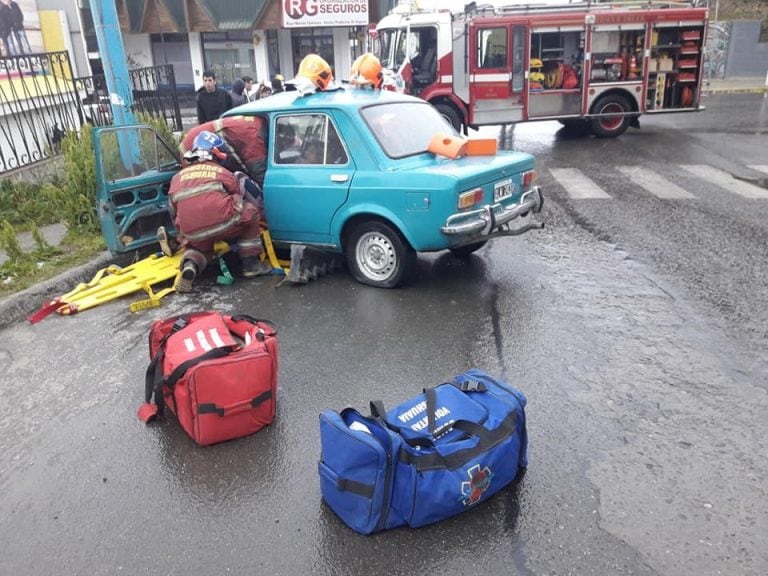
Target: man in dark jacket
x,y
212,101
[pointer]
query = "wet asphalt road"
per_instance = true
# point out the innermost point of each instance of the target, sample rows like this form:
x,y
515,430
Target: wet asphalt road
x,y
636,327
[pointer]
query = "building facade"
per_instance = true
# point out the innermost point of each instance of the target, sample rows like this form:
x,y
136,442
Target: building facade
x,y
236,38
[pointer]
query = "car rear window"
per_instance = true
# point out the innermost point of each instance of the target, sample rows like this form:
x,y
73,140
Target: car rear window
x,y
405,128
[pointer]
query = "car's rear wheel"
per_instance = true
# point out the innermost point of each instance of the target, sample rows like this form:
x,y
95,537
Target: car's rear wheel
x,y
467,249
377,255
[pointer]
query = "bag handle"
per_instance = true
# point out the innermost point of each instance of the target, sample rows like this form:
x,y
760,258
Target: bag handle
x,y
379,413
252,320
486,440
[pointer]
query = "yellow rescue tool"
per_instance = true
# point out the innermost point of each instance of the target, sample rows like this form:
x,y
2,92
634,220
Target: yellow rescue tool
x,y
114,282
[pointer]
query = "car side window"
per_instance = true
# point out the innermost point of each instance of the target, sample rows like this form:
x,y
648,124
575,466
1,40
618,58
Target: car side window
x,y
308,139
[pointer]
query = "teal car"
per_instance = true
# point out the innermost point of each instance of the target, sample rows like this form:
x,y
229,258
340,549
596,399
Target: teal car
x,y
348,171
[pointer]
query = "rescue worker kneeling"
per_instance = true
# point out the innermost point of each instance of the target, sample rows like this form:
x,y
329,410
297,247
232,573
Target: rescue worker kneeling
x,y
208,204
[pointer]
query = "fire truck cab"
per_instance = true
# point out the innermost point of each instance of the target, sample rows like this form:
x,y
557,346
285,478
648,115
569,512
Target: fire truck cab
x,y
596,65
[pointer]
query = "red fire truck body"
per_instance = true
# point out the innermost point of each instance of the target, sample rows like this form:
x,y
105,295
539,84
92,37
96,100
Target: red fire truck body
x,y
601,65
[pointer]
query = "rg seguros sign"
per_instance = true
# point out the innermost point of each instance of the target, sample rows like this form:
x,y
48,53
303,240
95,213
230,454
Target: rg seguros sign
x,y
304,13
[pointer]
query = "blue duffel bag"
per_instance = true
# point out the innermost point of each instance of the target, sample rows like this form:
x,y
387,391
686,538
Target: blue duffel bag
x,y
434,456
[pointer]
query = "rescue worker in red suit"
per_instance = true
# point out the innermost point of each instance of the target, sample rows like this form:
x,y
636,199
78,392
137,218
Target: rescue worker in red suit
x,y
208,204
246,141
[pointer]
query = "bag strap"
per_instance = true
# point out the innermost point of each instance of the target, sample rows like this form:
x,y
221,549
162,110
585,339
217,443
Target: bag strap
x,y
256,321
486,440
153,378
379,412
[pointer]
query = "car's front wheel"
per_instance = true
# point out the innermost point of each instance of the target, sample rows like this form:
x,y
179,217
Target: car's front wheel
x,y
377,255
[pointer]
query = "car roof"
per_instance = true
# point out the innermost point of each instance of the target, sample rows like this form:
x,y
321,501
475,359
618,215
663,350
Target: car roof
x,y
344,97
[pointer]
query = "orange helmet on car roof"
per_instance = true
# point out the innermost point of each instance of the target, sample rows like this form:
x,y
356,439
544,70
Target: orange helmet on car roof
x,y
316,70
367,71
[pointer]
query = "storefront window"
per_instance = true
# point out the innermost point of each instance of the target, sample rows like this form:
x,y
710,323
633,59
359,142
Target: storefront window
x,y
229,55
312,41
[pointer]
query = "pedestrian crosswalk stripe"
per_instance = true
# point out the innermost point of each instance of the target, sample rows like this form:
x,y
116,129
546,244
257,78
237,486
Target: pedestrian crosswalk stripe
x,y
653,183
759,167
576,184
725,180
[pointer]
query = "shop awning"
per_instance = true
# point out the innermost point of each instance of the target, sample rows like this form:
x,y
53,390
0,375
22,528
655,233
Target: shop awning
x,y
166,16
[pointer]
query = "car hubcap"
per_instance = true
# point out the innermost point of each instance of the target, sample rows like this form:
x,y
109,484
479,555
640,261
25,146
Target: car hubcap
x,y
376,256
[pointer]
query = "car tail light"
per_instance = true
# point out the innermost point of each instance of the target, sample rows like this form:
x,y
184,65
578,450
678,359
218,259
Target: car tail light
x,y
470,198
529,178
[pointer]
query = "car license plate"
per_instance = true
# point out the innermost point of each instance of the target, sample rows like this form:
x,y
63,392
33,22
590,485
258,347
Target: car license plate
x,y
502,190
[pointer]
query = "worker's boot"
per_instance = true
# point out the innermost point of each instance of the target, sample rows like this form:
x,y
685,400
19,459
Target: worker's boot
x,y
188,275
254,266
165,241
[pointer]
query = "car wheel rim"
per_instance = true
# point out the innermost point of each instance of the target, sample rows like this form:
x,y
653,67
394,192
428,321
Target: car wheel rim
x,y
611,123
376,256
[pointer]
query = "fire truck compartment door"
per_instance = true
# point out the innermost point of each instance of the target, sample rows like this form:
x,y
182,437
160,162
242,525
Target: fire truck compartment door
x,y
497,73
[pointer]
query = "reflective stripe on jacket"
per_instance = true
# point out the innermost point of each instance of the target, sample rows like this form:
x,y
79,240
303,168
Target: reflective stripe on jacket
x,y
206,200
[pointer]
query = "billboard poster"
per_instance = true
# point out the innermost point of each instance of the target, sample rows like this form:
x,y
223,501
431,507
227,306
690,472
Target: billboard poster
x,y
20,28
312,13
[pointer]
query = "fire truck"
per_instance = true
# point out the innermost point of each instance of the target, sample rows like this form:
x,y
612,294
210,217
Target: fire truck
x,y
598,66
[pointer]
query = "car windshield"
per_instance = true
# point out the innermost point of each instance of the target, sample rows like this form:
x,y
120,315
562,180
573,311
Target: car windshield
x,y
405,128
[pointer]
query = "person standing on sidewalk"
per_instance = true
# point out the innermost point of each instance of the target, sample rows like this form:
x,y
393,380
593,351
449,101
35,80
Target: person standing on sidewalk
x,y
237,94
22,43
209,203
212,101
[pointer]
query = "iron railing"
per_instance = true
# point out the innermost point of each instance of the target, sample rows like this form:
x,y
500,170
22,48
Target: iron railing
x,y
38,105
41,100
154,92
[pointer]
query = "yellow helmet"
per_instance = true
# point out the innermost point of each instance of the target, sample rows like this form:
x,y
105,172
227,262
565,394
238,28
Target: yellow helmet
x,y
367,71
316,70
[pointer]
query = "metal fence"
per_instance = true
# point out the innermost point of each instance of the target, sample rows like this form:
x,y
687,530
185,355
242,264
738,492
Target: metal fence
x,y
41,100
154,92
38,105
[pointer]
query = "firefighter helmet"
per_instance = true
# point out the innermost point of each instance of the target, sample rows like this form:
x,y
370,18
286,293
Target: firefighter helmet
x,y
316,70
207,146
367,71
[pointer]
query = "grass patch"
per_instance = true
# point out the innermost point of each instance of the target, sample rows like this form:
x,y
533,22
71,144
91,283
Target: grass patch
x,y
45,262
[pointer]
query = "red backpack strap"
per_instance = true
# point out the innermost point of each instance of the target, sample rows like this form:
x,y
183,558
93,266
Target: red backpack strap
x,y
153,378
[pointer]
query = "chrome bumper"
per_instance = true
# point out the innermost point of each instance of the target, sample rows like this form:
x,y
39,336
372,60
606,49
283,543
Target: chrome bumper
x,y
491,216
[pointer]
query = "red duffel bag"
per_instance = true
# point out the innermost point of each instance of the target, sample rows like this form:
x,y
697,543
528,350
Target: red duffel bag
x,y
216,373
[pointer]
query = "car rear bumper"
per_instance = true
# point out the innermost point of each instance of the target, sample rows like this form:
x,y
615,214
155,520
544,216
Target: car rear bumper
x,y
492,216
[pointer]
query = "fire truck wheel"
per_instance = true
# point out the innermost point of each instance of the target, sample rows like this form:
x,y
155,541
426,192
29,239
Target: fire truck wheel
x,y
378,255
611,126
449,113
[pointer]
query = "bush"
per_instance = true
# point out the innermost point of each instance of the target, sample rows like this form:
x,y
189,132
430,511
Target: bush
x,y
24,202
75,199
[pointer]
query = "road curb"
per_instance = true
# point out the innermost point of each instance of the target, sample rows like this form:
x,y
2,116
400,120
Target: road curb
x,y
17,306
736,90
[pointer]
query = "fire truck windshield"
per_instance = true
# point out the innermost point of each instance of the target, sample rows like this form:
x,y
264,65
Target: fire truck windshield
x,y
386,41
405,128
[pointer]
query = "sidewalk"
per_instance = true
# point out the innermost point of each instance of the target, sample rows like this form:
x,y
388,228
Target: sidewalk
x,y
751,85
